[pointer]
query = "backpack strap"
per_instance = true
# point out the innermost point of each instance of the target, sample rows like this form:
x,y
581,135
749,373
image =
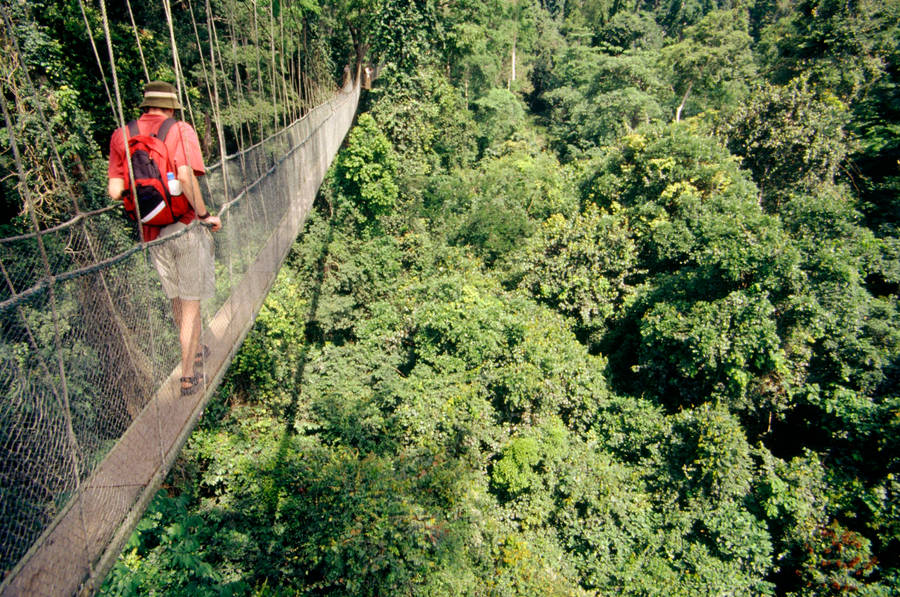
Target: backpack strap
x,y
167,124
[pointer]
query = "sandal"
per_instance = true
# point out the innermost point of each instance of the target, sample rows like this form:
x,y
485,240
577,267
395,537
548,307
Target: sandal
x,y
201,356
194,380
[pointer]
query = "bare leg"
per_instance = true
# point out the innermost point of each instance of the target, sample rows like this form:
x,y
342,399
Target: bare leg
x,y
176,310
187,318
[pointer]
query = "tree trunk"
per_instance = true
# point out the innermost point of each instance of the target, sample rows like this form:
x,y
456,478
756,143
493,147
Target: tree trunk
x,y
512,76
512,69
683,101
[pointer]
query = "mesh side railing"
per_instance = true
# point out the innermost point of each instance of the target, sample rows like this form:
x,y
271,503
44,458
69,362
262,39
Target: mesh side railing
x,y
91,415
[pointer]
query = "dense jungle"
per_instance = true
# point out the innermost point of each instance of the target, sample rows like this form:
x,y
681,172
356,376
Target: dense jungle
x,y
599,298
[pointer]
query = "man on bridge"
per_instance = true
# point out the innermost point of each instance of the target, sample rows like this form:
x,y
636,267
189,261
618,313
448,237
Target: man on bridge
x,y
185,263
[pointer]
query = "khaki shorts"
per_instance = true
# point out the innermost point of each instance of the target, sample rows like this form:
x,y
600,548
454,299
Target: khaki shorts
x,y
185,263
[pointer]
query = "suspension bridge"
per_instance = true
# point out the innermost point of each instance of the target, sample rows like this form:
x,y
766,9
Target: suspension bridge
x,y
91,413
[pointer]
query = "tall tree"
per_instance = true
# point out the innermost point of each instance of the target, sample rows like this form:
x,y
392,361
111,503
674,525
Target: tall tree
x,y
713,65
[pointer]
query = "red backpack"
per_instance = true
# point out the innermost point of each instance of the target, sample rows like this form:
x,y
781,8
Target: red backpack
x,y
150,163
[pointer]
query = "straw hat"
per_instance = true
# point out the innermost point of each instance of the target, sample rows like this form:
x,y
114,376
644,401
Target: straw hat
x,y
159,94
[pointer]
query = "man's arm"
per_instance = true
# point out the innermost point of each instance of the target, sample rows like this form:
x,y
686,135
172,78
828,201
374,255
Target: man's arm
x,y
115,188
190,186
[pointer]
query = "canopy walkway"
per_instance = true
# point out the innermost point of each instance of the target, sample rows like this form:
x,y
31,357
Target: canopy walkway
x,y
91,417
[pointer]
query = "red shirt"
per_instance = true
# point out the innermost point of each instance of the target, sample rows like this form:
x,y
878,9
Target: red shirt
x,y
183,146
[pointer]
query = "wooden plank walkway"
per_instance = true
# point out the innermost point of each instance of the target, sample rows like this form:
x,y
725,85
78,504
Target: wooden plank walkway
x,y
74,555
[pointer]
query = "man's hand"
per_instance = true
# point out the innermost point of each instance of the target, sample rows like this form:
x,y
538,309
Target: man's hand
x,y
212,222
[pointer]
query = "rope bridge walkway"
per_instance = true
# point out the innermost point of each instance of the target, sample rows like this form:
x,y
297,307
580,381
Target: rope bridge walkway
x,y
91,416
91,411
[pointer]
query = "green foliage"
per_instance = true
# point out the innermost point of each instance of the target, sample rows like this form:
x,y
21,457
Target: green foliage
x,y
601,97
489,45
263,366
733,303
677,378
675,16
709,456
595,506
364,174
710,348
710,474
463,323
790,496
404,33
689,204
495,225
332,507
496,206
167,552
841,47
855,331
514,472
712,65
425,119
875,123
790,139
631,31
498,113
523,568
582,266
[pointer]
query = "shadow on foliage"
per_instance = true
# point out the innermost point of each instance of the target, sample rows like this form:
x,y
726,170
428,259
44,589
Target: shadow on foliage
x,y
313,335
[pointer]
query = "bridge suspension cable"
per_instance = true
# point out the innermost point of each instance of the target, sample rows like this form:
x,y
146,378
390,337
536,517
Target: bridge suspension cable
x,y
91,416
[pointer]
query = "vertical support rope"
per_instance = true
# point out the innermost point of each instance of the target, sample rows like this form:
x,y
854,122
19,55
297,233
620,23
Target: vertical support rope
x,y
120,112
200,47
137,38
259,82
277,117
288,101
176,62
217,113
240,91
66,406
215,88
131,353
301,72
87,27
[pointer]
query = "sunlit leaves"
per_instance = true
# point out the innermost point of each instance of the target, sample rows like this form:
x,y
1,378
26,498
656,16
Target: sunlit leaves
x,y
583,265
365,171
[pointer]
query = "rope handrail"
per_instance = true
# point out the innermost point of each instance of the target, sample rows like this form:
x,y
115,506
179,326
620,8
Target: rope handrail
x,y
117,205
19,297
59,227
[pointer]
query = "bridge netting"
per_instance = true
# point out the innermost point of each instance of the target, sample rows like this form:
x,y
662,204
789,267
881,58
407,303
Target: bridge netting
x,y
88,347
91,415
